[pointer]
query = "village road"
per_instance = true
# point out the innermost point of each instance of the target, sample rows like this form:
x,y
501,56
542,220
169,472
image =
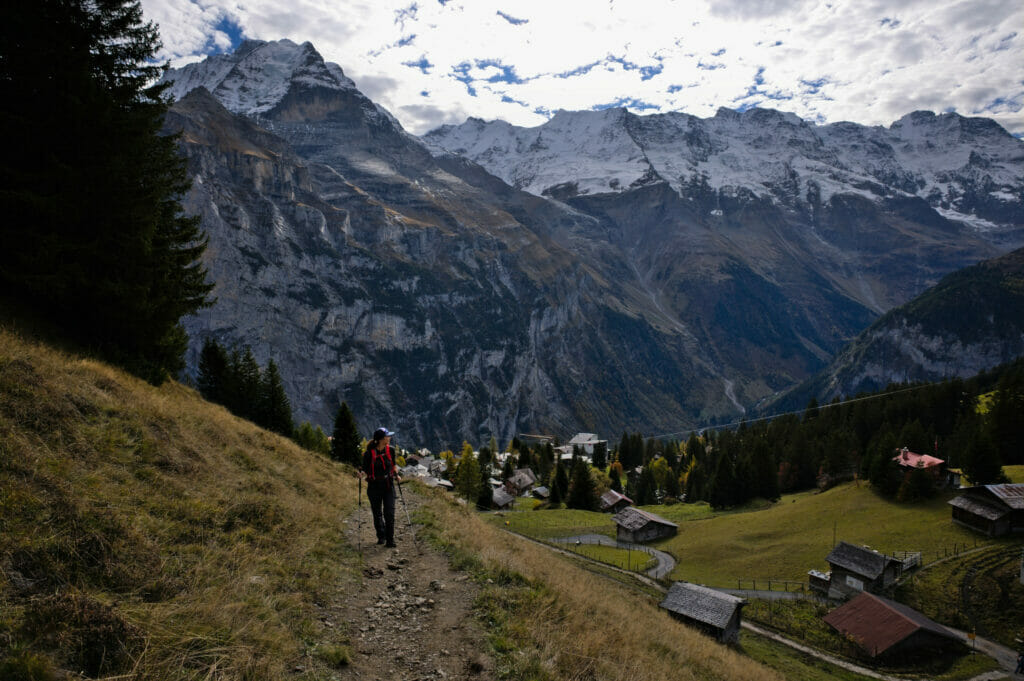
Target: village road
x,y
666,563
1006,657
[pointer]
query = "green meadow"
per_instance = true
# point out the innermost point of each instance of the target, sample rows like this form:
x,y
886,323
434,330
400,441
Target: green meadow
x,y
779,541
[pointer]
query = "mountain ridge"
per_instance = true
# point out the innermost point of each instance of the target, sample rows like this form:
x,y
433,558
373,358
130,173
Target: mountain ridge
x,y
658,307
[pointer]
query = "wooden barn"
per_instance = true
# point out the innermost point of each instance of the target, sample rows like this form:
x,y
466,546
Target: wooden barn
x,y
614,501
993,510
634,525
884,628
856,569
713,612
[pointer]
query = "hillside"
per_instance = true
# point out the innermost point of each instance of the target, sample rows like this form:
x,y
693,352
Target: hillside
x,y
971,321
149,534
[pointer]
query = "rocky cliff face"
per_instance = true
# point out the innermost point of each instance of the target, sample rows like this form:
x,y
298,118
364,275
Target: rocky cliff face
x,y
972,321
629,287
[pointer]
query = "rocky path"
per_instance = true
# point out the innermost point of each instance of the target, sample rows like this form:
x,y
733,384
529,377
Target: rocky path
x,y
410,614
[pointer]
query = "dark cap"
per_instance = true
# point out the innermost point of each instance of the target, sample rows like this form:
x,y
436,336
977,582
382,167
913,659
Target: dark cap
x,y
382,433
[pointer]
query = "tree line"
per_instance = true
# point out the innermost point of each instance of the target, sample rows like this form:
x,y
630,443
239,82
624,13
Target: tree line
x,y
973,425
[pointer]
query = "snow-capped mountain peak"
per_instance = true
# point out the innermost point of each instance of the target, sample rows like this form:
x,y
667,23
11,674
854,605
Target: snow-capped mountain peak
x,y
968,169
258,75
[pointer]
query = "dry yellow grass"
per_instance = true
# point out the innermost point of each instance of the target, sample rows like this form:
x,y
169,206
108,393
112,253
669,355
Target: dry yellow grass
x,y
576,625
202,534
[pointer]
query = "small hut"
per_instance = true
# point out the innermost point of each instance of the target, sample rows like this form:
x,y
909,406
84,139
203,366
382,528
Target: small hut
x,y
634,525
713,612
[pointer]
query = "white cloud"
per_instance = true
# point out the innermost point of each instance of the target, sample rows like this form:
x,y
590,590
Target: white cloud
x,y
869,62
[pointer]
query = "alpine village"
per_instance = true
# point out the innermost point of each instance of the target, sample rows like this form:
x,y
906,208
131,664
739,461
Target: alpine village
x,y
751,407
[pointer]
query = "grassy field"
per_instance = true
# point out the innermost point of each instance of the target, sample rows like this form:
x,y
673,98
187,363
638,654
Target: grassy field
x,y
780,541
1014,473
796,534
637,561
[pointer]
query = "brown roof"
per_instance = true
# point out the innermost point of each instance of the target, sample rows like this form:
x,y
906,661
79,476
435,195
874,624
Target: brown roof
x,y
877,624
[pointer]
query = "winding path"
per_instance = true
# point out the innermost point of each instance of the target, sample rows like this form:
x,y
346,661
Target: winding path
x,y
666,563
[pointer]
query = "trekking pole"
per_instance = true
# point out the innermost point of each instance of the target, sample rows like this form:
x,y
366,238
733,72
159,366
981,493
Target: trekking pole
x,y
401,495
359,519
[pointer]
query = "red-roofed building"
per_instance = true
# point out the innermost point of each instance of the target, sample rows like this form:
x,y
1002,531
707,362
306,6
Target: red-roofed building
x,y
910,461
886,628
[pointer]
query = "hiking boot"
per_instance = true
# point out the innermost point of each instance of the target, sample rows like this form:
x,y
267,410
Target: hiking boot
x,y
390,544
381,540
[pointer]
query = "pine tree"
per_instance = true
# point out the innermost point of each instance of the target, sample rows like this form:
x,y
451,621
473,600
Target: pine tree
x,y
346,442
245,395
274,412
212,379
722,491
92,233
559,483
467,475
581,489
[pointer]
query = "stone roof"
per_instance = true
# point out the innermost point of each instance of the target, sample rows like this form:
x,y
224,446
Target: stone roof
x,y
611,497
702,604
877,624
859,560
584,438
501,498
633,519
978,507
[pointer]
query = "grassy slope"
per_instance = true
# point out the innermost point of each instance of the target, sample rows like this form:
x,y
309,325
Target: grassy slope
x,y
795,535
144,531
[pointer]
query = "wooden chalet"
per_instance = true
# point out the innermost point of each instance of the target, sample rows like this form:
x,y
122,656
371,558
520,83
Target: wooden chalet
x,y
522,479
993,510
636,526
884,628
614,501
713,612
501,499
856,569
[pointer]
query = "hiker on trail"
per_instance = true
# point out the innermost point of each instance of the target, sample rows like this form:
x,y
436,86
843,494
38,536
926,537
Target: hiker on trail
x,y
1020,664
381,475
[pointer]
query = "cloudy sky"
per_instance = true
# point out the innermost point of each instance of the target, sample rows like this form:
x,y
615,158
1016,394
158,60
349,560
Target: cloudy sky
x,y
439,61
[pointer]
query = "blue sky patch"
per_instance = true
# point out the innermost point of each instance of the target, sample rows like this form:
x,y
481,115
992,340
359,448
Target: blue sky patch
x,y
422,64
462,75
507,75
406,40
233,32
578,71
512,20
646,72
626,103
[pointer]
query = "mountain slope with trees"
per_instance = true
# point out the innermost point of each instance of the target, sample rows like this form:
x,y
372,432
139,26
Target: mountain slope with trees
x,y
971,321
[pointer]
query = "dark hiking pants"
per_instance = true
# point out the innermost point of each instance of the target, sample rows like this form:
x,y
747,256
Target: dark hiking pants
x,y
382,504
